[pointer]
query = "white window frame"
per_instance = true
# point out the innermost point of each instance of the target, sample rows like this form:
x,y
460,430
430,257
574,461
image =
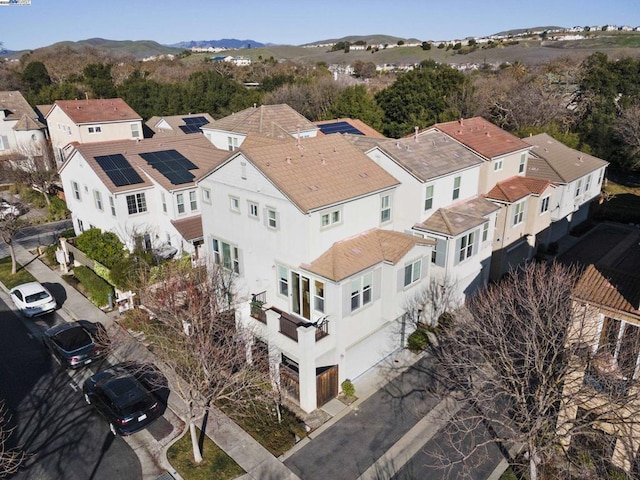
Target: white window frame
x,y
180,203
485,231
76,190
497,166
283,281
95,129
163,200
385,208
318,296
97,200
193,200
578,188
331,218
234,204
544,204
230,262
412,272
587,183
523,162
254,210
518,213
135,130
272,218
139,202
428,197
466,247
206,195
232,143
457,181
112,204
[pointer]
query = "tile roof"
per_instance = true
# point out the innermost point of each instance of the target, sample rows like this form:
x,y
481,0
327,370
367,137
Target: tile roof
x,y
360,141
482,136
610,289
352,255
459,218
516,188
271,120
359,125
197,149
430,155
190,228
174,122
556,162
27,123
97,110
319,171
16,106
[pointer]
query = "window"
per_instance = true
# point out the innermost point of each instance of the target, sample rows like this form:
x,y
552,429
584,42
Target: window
x,y
485,232
578,187
272,218
361,291
385,208
428,198
330,218
412,272
206,195
226,255
318,296
300,295
523,161
112,204
518,213
466,247
544,205
163,200
180,202
587,184
234,204
76,190
366,288
283,281
497,166
434,252
135,130
97,198
136,203
243,170
600,177
80,226
253,210
456,188
96,129
233,143
193,201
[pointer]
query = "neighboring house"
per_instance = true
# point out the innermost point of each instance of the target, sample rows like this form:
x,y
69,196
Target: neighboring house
x,y
90,121
320,276
144,191
274,121
20,130
351,126
176,124
579,178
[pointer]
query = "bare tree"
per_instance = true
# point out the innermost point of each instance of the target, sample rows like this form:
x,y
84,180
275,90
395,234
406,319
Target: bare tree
x,y
10,458
11,222
515,359
197,337
33,165
627,129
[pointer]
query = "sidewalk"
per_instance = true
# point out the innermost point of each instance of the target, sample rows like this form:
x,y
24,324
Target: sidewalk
x,y
258,462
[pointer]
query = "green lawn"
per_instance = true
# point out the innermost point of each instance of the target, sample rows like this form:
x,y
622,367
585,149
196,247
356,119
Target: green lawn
x,y
216,465
10,281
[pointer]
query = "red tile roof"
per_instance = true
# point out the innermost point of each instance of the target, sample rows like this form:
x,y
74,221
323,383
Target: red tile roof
x,y
516,188
190,228
93,111
482,137
611,290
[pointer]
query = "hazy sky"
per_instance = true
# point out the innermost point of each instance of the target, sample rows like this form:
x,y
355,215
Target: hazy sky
x,y
293,22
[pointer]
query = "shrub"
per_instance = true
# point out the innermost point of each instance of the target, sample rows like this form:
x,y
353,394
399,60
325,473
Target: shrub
x,y
417,341
445,321
105,247
50,254
68,233
347,388
57,209
97,288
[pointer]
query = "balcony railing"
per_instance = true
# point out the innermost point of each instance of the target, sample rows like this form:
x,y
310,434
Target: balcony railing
x,y
289,326
613,385
257,311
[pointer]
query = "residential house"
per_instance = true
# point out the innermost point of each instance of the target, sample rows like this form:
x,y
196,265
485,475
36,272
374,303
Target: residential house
x,y
579,178
176,124
144,191
20,130
306,225
352,126
90,121
275,121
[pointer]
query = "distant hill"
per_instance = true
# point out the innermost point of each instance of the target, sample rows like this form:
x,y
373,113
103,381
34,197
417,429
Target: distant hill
x,y
519,31
232,43
368,39
135,48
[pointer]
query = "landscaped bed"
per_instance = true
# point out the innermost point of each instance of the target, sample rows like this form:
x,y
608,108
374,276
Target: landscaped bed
x,y
10,281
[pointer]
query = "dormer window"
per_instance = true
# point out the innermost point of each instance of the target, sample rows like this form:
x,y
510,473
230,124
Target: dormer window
x,y
95,129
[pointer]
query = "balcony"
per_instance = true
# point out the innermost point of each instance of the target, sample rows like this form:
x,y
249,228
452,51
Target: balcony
x,y
257,307
605,376
289,326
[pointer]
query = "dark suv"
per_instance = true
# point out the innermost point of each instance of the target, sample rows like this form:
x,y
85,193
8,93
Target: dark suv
x,y
77,344
126,395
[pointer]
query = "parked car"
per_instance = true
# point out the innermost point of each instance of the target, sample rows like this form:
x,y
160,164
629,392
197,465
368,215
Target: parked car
x,y
77,344
7,208
126,395
33,299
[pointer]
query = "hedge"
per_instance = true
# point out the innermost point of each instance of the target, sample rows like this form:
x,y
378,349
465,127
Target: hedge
x,y
97,288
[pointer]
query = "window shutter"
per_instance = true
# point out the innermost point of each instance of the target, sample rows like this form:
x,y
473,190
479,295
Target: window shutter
x,y
424,266
5,142
277,220
265,220
240,263
441,251
456,253
346,298
376,286
400,279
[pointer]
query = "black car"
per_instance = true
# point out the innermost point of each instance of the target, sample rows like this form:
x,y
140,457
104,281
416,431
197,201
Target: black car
x,y
78,343
126,395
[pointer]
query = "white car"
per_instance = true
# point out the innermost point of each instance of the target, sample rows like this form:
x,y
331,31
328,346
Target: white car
x,y
33,299
7,208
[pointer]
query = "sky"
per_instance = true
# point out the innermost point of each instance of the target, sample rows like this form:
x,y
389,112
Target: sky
x,y
45,22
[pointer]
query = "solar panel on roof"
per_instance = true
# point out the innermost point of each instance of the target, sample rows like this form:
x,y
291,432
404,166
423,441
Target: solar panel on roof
x,y
339,127
118,169
193,124
190,128
172,165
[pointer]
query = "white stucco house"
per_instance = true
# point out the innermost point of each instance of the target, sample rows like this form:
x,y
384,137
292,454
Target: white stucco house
x,y
273,121
90,121
20,130
144,191
322,275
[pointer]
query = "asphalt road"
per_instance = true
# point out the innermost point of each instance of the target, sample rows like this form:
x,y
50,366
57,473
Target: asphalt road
x,y
65,437
33,236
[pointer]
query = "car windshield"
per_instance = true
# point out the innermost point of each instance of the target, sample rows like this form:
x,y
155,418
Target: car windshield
x,y
34,297
72,338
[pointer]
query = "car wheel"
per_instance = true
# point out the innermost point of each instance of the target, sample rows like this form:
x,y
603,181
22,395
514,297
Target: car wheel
x,y
113,429
87,398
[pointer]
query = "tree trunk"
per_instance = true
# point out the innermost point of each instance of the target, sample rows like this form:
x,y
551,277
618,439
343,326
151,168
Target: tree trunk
x,y
14,262
533,464
46,196
197,456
